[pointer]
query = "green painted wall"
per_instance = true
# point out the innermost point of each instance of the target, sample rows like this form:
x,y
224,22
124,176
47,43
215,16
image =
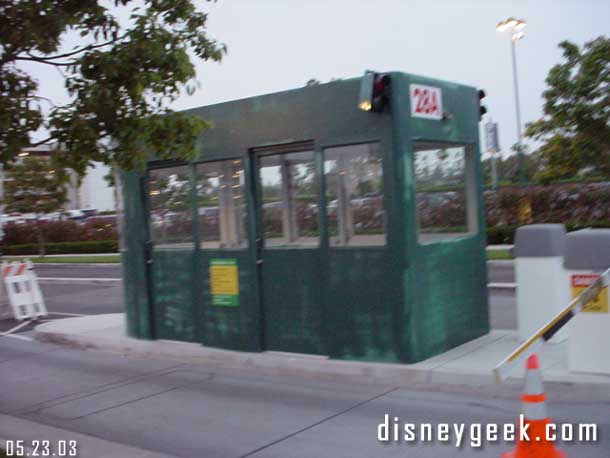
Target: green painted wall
x,y
402,302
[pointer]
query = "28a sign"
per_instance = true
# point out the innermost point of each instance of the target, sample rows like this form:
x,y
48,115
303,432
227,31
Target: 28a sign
x,y
426,102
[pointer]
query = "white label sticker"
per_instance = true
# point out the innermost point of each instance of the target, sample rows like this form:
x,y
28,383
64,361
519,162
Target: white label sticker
x,y
426,102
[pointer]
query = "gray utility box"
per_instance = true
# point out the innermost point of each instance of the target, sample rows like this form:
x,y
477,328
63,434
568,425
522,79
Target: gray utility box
x,y
542,287
587,256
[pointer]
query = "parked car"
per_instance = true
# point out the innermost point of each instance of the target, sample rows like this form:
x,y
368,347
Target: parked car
x,y
76,215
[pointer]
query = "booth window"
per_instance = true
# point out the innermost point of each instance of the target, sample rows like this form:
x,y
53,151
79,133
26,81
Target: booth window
x,y
444,191
221,206
289,189
171,213
354,195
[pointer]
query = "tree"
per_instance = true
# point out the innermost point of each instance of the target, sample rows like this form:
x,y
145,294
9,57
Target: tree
x,y
575,127
508,167
34,185
121,78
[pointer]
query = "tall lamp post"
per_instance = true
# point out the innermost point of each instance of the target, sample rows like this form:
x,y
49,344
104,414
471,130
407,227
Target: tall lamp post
x,y
515,27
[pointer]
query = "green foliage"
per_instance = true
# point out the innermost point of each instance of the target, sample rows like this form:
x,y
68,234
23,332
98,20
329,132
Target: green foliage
x,y
508,168
59,231
499,255
505,233
120,78
99,246
501,234
575,127
34,185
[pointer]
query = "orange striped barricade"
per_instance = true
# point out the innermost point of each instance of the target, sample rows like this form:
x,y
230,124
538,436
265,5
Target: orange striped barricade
x,y
38,304
21,285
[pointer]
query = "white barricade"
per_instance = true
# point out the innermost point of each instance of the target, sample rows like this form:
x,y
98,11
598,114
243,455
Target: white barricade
x,y
21,285
38,305
592,296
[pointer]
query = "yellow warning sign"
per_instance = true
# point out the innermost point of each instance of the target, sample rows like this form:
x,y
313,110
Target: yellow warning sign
x,y
224,283
580,282
525,210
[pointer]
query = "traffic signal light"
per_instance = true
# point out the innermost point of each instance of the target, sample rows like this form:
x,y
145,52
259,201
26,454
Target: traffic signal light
x,y
482,108
374,92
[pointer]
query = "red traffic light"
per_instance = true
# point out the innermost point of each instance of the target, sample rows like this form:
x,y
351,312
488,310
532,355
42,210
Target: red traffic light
x,y
374,92
482,108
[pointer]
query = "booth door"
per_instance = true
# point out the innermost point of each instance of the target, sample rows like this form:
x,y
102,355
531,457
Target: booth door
x,y
288,248
172,257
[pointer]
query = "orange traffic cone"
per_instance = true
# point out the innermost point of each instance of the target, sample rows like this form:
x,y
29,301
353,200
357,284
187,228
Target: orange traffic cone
x,y
534,443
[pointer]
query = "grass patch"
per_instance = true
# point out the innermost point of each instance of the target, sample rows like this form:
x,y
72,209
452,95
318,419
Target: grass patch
x,y
492,255
498,255
112,258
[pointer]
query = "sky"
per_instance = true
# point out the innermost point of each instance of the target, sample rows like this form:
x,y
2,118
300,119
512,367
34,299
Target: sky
x,y
275,45
279,44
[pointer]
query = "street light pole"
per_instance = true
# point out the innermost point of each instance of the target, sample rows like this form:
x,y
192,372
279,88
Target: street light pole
x,y
518,113
516,33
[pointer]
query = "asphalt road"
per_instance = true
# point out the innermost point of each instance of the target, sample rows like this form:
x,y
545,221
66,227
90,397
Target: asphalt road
x,y
65,299
500,272
88,298
198,411
79,270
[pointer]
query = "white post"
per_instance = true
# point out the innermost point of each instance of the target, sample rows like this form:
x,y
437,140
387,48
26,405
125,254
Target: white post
x,y
289,217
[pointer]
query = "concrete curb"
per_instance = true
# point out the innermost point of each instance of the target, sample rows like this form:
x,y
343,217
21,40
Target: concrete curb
x,y
424,375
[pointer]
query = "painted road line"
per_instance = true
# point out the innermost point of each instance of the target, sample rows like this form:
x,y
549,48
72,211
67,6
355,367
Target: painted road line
x,y
78,280
499,247
502,285
67,314
70,264
18,337
16,328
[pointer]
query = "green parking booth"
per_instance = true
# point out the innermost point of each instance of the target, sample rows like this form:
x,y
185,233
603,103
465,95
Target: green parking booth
x,y
341,219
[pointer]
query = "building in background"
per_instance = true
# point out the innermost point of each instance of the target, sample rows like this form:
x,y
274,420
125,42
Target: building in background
x,y
93,191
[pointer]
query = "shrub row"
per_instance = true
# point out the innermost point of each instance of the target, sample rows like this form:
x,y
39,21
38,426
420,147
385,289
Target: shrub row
x,y
98,246
581,203
505,233
59,231
496,235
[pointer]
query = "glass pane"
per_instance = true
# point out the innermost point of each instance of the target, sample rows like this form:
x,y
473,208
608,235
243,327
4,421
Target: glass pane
x,y
171,214
354,195
440,185
221,204
290,199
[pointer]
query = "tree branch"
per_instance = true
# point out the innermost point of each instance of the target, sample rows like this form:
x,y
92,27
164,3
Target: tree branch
x,y
41,142
72,53
41,60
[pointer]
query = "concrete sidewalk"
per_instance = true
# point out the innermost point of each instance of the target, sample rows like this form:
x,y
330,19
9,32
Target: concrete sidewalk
x,y
467,368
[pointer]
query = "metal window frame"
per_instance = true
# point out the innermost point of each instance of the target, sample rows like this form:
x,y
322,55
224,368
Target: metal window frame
x,y
470,188
359,142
